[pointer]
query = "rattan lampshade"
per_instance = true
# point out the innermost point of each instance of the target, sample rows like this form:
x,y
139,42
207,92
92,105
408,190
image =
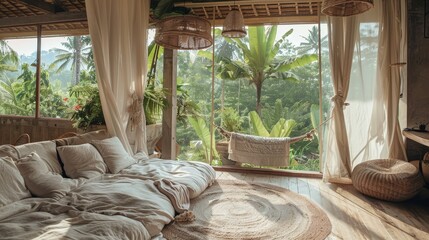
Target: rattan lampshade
x,y
184,32
233,26
343,8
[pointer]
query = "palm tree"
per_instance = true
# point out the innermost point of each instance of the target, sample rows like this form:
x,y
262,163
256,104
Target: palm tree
x,y
261,59
76,52
311,44
8,57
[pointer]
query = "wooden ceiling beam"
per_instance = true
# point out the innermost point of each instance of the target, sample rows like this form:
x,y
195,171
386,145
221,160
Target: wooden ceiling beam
x,y
43,6
191,4
43,19
254,21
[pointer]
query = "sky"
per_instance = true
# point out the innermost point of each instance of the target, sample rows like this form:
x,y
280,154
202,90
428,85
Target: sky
x,y
29,45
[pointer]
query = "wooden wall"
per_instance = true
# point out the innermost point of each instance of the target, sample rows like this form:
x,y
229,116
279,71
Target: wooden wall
x,y
417,97
11,127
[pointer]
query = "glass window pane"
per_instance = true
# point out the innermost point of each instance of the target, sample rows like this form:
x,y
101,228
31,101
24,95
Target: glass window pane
x,y
17,76
67,75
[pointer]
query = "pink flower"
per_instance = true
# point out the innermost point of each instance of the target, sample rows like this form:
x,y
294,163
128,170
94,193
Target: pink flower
x,y
77,107
65,99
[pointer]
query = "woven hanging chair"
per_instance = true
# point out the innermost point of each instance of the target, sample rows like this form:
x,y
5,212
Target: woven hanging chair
x,y
344,8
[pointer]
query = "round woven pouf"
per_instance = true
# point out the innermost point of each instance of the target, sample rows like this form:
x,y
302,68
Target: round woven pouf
x,y
387,179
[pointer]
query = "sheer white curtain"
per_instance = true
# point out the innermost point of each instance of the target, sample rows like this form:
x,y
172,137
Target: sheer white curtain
x,y
118,31
391,53
371,116
342,35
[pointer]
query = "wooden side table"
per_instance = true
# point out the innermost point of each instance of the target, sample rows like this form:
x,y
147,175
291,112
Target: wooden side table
x,y
419,137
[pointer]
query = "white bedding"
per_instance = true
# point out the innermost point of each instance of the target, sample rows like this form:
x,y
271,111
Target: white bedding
x,y
196,176
126,205
23,220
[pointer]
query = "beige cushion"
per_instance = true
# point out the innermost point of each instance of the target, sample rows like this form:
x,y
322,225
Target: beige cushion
x,y
82,161
114,154
39,180
387,179
47,152
8,151
12,186
83,138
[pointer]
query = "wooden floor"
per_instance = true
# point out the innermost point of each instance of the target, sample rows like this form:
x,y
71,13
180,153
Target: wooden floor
x,y
354,216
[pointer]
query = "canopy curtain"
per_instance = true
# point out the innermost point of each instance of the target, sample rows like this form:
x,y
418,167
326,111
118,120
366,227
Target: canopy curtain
x,y
371,116
391,55
342,35
118,31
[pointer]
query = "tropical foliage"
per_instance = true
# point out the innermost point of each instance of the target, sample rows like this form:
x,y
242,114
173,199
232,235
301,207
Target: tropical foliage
x,y
261,59
282,128
203,132
74,54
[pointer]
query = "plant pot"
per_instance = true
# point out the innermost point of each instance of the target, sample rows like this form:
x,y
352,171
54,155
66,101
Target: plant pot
x,y
153,134
222,149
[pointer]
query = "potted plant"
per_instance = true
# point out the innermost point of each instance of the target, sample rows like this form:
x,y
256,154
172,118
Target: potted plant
x,y
87,113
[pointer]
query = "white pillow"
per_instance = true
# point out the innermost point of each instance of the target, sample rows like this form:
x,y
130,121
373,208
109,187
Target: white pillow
x,y
39,180
114,154
12,187
82,161
47,152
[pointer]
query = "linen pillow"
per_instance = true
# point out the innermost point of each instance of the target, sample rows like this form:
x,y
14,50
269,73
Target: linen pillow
x,y
47,152
12,187
39,180
82,161
114,154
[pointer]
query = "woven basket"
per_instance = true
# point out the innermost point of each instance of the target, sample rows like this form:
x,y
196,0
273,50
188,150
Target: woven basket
x,y
387,179
343,8
184,32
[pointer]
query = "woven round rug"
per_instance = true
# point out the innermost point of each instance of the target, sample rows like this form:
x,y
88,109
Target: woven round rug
x,y
240,210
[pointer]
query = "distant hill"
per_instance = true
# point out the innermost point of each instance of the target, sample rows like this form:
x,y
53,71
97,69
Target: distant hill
x,y
48,57
63,78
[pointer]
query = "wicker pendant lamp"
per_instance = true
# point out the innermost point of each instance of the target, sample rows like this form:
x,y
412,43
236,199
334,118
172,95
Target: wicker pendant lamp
x,y
344,8
233,26
187,32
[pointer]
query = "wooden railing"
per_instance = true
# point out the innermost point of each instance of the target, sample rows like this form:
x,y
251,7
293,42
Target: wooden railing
x,y
11,127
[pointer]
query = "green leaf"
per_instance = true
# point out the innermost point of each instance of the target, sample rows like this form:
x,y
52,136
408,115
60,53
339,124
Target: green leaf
x,y
315,117
257,125
203,132
283,128
297,62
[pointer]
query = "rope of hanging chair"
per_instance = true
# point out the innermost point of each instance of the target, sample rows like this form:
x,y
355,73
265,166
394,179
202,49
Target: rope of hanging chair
x,y
307,136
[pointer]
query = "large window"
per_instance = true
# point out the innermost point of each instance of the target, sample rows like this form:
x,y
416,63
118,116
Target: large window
x,y
289,92
66,76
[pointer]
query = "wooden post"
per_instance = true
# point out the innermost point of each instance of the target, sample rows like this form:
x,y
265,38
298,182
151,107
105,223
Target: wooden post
x,y
169,113
38,70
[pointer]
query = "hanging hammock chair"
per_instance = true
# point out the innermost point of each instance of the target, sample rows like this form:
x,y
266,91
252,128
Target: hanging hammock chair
x,y
261,151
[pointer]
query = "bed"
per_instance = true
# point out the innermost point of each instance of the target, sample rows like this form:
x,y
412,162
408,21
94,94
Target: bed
x,y
88,187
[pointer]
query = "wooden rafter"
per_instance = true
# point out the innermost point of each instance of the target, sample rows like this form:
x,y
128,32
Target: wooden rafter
x,y
43,6
43,19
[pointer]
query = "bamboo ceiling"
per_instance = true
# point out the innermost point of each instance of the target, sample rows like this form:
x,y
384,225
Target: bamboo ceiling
x,y
19,18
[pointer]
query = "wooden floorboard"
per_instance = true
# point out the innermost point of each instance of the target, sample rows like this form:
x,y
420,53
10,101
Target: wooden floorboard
x,y
353,215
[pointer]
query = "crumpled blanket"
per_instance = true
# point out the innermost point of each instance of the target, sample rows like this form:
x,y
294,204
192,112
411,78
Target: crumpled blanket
x,y
261,151
179,198
176,192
